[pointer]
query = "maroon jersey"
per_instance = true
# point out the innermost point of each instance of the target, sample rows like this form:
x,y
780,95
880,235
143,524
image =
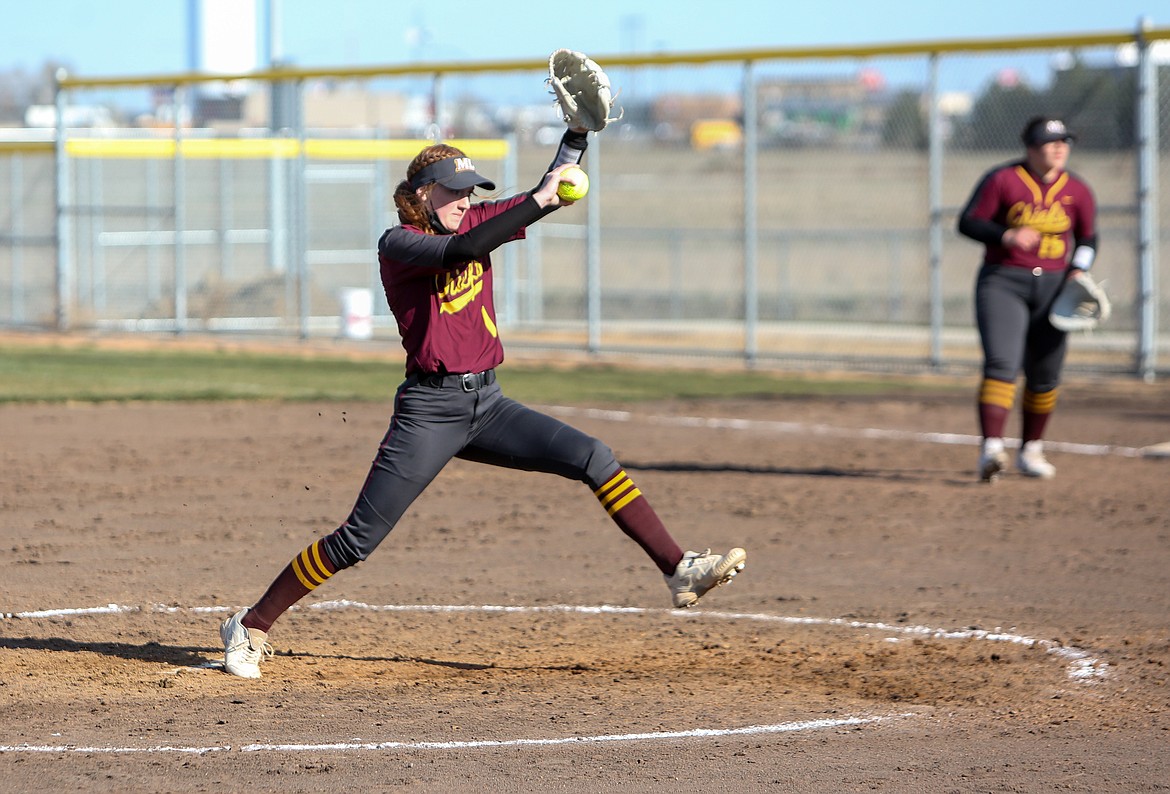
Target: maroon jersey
x,y
446,315
1063,211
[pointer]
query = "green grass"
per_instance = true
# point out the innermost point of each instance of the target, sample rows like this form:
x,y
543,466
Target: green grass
x,y
55,374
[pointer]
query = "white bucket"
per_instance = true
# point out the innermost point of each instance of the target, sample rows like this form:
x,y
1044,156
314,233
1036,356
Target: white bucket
x,y
357,313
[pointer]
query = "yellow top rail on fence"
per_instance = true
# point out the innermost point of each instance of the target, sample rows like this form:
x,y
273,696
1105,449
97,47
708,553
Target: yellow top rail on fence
x,y
611,61
254,148
26,147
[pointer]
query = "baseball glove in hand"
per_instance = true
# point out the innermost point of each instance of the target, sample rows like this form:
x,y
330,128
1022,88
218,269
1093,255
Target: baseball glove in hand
x,y
582,90
1081,304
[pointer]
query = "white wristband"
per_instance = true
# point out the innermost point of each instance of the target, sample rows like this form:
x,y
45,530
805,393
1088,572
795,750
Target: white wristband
x,y
1083,257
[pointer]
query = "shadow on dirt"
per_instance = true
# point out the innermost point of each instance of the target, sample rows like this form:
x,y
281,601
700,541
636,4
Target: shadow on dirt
x,y
197,657
908,475
146,652
424,660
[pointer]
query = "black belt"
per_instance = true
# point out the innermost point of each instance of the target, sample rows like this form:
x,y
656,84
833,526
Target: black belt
x,y
467,381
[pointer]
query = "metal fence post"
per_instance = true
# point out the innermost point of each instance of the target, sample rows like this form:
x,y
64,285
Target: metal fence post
x,y
277,203
511,286
63,220
934,193
1147,199
301,216
15,247
383,187
226,192
436,132
593,256
98,278
180,201
751,292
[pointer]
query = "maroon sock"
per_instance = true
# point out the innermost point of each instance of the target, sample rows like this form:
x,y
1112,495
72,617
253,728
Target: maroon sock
x,y
1037,410
995,403
301,576
632,512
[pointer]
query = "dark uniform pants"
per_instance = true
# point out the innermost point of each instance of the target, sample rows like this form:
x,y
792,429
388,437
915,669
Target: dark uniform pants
x,y
1011,310
433,424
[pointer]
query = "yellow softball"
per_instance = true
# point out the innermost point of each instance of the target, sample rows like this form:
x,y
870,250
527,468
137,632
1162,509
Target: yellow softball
x,y
574,184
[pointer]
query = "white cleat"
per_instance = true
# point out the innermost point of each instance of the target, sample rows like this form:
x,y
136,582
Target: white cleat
x,y
699,572
1032,463
993,460
243,648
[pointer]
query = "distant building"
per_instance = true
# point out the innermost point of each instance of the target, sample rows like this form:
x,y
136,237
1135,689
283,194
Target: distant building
x,y
821,111
40,116
792,112
674,116
343,107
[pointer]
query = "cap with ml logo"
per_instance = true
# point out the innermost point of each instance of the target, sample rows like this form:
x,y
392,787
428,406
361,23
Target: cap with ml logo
x,y
1043,129
455,173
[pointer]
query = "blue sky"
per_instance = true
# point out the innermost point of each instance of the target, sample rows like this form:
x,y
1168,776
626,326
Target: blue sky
x,y
131,37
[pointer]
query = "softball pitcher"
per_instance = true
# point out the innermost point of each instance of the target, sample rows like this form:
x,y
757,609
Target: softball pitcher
x,y
437,272
1037,222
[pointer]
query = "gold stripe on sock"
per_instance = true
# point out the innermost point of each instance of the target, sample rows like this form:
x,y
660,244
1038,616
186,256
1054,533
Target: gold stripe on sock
x,y
1042,403
323,571
306,562
621,475
997,392
300,572
616,493
625,500
305,570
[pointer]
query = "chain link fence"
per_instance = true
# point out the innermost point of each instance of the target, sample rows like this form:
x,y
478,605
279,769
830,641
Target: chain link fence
x,y
781,208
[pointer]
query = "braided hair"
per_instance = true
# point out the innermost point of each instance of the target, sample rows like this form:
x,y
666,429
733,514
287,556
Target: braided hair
x,y
411,210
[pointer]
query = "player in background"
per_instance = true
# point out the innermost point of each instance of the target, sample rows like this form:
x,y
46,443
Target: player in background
x,y
437,273
1037,222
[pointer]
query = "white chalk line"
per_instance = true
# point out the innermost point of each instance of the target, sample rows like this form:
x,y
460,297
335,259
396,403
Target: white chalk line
x,y
805,429
1082,666
697,733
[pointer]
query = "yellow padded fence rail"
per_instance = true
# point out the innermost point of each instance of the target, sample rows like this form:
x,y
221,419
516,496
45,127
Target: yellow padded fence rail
x,y
620,60
254,148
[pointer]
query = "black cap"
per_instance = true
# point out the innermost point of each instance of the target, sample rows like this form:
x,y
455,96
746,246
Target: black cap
x,y
455,173
1044,129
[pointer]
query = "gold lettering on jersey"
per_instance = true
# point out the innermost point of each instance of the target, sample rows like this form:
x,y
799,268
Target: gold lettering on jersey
x,y
1052,222
1047,220
1045,214
1052,246
457,290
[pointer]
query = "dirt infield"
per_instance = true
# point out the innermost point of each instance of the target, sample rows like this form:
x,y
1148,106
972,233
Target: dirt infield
x,y
899,627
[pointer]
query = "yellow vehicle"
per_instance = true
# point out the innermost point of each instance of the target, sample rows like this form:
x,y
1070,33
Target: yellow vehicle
x,y
716,134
